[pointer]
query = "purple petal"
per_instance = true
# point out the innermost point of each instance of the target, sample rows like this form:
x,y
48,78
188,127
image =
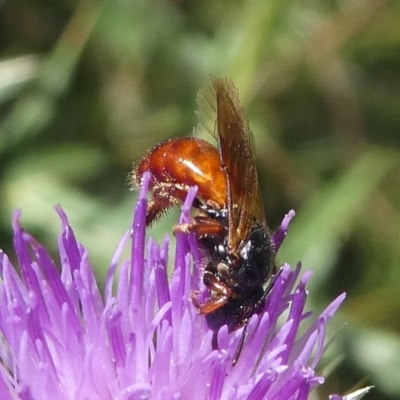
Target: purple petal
x,y
61,339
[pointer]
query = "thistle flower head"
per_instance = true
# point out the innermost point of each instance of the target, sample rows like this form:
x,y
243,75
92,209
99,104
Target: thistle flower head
x,y
142,338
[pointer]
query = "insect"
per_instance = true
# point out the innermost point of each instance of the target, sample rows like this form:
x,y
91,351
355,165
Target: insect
x,y
229,223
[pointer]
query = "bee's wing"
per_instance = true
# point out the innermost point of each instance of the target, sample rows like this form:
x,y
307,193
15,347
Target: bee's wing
x,y
235,140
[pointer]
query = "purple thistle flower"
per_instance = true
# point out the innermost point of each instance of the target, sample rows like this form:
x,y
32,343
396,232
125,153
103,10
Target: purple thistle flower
x,y
142,339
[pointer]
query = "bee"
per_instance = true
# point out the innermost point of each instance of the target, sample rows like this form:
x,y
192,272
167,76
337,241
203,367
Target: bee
x,y
229,224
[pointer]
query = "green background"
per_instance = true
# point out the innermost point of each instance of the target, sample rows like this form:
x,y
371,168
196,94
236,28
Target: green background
x,y
87,87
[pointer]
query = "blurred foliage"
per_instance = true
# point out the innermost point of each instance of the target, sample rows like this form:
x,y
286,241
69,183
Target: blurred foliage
x,y
86,87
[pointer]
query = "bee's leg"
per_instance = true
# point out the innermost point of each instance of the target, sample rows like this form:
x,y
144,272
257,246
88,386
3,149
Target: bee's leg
x,y
267,291
202,227
241,343
270,285
160,202
220,298
214,341
164,196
